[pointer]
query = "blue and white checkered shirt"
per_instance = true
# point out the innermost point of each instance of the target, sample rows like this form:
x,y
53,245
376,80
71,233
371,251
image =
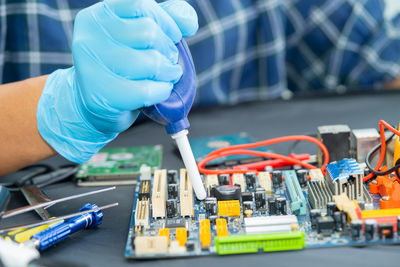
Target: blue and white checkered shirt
x,y
244,50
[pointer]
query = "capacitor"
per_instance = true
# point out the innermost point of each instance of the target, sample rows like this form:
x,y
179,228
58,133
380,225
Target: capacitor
x,y
260,198
171,208
331,208
314,214
223,179
281,205
302,177
370,229
172,176
356,227
247,205
339,218
227,192
210,205
272,206
250,178
172,191
276,179
398,224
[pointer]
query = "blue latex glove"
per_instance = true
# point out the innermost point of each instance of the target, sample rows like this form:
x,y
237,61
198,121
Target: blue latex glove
x,y
125,58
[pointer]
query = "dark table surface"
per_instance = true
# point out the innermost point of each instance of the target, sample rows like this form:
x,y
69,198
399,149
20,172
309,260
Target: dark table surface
x,y
105,246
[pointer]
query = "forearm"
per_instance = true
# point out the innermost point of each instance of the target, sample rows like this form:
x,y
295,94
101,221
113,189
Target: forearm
x,y
20,141
393,85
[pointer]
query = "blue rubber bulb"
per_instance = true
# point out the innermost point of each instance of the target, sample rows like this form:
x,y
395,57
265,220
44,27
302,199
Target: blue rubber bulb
x,y
172,113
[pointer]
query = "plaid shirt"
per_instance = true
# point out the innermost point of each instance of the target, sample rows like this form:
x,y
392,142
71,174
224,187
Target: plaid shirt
x,y
244,50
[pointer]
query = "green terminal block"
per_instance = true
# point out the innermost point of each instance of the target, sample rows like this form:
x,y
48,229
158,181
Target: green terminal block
x,y
239,244
297,200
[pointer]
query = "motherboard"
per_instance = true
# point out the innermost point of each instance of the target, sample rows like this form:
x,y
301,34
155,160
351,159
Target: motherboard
x,y
261,211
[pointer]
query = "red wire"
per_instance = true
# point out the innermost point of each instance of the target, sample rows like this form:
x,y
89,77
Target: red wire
x,y
382,124
241,149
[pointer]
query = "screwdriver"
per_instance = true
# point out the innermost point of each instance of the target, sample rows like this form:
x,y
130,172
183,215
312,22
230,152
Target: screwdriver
x,y
23,234
59,232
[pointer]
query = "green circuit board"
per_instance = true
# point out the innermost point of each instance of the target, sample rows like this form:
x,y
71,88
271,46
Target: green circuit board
x,y
119,163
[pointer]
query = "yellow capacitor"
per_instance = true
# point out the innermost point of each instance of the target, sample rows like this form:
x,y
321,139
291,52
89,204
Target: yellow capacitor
x,y
164,232
229,208
222,227
205,233
181,236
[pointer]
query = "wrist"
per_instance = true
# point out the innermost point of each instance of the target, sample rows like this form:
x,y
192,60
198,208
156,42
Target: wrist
x,y
61,120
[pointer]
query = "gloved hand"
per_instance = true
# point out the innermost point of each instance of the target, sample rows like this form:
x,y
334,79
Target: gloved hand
x,y
125,58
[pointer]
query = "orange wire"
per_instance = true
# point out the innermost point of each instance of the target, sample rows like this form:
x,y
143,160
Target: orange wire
x,y
241,149
382,124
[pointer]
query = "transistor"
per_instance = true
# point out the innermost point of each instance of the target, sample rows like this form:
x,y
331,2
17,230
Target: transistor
x,y
172,176
171,208
276,179
302,177
250,178
223,179
370,229
172,191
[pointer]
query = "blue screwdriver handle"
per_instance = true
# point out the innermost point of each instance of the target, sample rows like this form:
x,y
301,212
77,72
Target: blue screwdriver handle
x,y
59,232
172,113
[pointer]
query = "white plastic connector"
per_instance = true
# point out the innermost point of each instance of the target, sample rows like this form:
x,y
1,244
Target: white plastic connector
x,y
190,164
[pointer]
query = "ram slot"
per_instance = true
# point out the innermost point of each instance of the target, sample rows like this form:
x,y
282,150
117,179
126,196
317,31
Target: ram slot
x,y
298,202
238,179
186,194
159,193
211,181
264,179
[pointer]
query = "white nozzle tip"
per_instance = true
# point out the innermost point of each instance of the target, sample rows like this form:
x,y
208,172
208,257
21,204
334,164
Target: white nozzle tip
x,y
190,164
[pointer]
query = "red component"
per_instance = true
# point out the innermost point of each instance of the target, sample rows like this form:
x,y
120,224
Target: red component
x,y
274,163
243,150
387,219
388,189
